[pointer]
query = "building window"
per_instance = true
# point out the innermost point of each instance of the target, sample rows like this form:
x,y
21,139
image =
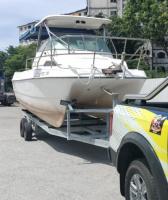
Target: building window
x,y
113,1
113,13
161,55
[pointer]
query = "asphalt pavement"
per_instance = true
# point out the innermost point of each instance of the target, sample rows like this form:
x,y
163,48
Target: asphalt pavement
x,y
51,168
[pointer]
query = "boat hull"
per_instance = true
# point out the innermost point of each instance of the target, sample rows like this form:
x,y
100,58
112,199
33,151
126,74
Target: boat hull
x,y
42,96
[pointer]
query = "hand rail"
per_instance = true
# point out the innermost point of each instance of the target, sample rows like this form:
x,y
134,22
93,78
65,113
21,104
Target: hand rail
x,y
84,51
107,37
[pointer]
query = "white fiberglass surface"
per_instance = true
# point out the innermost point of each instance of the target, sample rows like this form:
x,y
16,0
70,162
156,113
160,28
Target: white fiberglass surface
x,y
72,21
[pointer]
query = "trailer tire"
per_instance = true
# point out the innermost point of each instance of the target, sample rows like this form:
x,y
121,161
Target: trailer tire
x,y
139,182
28,131
22,126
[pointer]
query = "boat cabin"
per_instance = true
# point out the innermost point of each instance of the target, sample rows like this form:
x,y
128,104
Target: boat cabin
x,y
66,25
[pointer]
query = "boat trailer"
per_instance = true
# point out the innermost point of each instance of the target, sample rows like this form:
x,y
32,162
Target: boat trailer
x,y
79,125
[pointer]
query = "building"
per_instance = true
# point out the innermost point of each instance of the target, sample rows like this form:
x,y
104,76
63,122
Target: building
x,y
24,29
82,12
160,58
107,7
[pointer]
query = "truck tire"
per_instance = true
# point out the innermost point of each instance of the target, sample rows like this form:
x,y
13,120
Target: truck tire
x,y
28,131
139,182
22,126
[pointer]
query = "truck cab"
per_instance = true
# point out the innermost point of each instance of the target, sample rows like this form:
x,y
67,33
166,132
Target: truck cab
x,y
139,145
6,99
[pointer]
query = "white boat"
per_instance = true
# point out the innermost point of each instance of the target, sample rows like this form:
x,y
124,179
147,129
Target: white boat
x,y
73,64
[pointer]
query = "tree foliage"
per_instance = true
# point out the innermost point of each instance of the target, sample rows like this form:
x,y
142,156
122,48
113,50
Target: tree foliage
x,y
141,18
116,28
147,18
3,57
14,59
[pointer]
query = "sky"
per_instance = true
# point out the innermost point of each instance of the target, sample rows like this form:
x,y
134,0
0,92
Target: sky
x,y
17,12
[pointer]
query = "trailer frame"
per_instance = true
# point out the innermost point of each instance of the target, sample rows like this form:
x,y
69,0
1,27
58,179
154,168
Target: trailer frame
x,y
79,125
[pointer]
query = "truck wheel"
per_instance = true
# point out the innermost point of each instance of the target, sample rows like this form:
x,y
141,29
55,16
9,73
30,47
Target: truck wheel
x,y
22,126
139,183
28,131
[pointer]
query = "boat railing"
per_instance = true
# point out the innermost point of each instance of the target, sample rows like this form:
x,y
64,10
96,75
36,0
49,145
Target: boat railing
x,y
77,52
141,52
109,39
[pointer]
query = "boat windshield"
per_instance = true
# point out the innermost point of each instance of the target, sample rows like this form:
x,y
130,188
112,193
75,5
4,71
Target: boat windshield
x,y
77,43
86,43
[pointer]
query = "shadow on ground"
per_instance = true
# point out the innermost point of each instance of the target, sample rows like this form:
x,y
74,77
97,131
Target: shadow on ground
x,y
87,152
13,105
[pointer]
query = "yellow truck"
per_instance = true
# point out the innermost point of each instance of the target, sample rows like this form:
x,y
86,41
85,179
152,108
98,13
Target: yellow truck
x,y
139,148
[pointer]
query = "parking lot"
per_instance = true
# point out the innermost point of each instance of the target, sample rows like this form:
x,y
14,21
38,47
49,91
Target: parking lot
x,y
51,168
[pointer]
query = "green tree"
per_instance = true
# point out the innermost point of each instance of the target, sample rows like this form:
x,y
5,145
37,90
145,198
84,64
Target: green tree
x,y
3,57
17,57
147,19
116,27
143,19
16,60
11,50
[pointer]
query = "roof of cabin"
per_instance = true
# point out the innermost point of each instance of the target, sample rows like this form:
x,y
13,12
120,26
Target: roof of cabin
x,y
71,21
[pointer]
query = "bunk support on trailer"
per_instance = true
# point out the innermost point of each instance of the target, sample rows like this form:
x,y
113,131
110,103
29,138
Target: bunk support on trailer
x,y
106,112
91,126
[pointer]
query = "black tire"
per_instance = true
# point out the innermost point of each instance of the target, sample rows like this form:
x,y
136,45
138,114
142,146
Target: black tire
x,y
28,131
139,174
22,126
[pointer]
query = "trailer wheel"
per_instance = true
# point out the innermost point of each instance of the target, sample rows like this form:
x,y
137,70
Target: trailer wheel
x,y
28,131
22,126
139,183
